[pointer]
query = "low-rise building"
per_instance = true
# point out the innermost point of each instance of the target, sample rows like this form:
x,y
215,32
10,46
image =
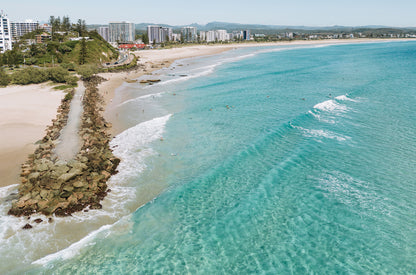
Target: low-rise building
x,y
46,27
42,38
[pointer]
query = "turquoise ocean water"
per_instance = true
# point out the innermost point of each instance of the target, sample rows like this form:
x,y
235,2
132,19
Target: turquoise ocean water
x,y
281,160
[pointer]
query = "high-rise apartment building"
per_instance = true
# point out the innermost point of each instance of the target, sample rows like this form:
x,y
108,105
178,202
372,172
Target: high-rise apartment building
x,y
246,35
221,35
189,34
158,34
202,36
210,36
104,32
121,32
21,28
5,33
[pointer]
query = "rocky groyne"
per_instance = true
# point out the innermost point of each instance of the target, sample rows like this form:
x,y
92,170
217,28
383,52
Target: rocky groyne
x,y
53,186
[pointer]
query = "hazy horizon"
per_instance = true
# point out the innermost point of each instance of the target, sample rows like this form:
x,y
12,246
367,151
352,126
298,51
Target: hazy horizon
x,y
321,13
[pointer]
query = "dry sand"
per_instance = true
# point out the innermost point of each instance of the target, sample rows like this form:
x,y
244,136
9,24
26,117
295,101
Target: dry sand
x,y
25,111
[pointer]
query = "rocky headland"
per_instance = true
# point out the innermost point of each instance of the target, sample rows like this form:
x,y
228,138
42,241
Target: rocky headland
x,y
53,186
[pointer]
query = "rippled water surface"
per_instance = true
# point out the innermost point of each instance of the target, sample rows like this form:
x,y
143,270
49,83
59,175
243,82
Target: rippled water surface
x,y
290,160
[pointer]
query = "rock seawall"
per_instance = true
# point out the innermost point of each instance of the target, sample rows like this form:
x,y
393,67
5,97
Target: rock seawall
x,y
52,186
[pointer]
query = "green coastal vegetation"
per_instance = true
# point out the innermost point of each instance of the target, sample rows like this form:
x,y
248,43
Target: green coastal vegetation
x,y
59,56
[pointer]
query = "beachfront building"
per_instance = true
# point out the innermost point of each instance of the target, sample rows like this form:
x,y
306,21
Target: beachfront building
x,y
210,37
21,28
202,36
42,38
246,35
158,34
46,27
5,33
121,32
189,34
104,32
221,35
176,37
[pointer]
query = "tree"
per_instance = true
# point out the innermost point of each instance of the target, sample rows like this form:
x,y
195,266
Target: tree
x,y
83,52
66,23
81,27
4,78
13,57
52,23
145,38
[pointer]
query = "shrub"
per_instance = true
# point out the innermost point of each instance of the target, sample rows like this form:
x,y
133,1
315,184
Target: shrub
x,y
68,66
71,80
58,74
4,78
29,76
64,48
31,61
68,96
86,72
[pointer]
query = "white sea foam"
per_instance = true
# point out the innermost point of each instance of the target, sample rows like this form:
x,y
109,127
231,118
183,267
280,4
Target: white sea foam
x,y
203,71
345,98
330,106
133,146
73,249
319,133
143,97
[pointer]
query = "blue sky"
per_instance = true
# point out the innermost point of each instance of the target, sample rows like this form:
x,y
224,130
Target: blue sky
x,y
180,12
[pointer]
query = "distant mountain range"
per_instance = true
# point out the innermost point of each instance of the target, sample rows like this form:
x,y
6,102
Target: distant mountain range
x,y
267,28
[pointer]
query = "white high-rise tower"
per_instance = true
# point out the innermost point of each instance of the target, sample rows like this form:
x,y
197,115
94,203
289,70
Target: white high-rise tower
x,y
5,33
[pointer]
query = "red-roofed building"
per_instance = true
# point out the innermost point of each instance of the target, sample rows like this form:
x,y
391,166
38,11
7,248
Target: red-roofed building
x,y
130,46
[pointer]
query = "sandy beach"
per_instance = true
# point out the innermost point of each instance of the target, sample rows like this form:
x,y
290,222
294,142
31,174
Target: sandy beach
x,y
25,111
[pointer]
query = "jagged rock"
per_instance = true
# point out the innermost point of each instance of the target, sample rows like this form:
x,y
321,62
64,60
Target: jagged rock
x,y
49,184
68,188
96,206
65,194
38,220
79,184
70,175
79,165
44,194
59,170
25,172
27,226
42,204
33,176
55,186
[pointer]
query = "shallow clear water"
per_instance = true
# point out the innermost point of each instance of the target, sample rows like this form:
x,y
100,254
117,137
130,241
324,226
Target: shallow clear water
x,y
280,160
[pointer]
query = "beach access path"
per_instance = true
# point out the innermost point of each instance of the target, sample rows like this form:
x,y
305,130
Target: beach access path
x,y
69,140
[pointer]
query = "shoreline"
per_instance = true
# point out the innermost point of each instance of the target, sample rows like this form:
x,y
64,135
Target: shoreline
x,y
26,111
156,59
